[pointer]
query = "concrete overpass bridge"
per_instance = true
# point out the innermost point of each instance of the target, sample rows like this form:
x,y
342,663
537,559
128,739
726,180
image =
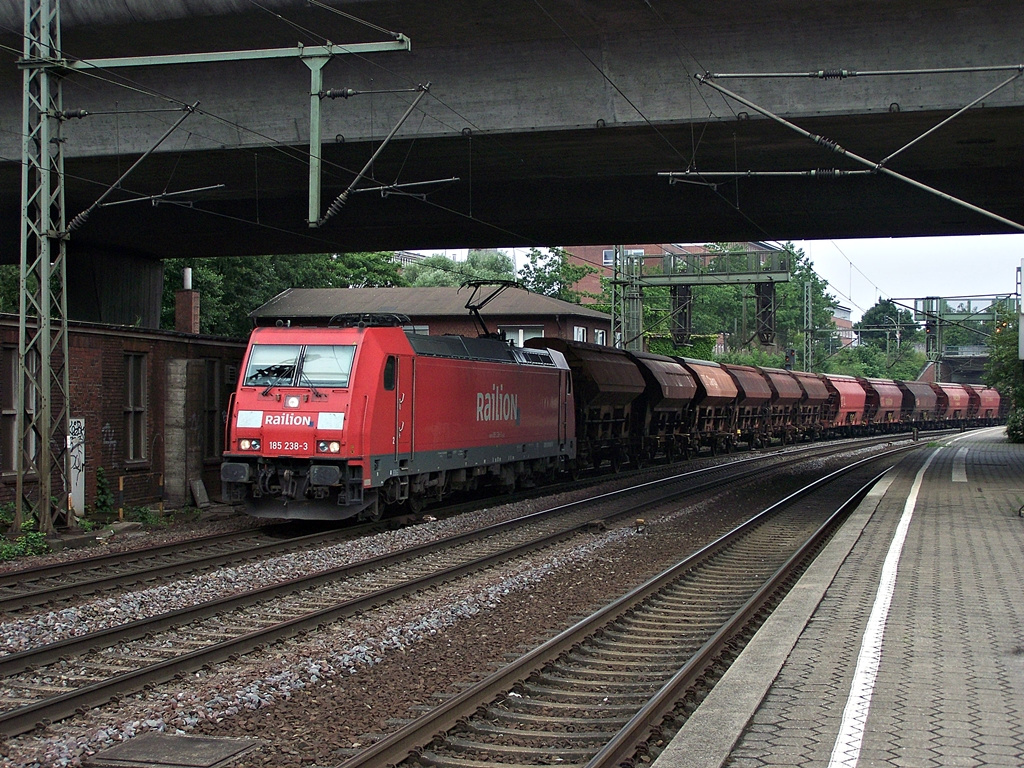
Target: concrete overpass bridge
x,y
550,121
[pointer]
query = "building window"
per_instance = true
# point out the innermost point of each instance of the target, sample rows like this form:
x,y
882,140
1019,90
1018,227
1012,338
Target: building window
x,y
9,409
608,255
601,337
135,407
579,333
518,334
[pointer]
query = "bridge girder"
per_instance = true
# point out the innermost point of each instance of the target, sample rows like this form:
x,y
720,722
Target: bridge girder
x,y
530,113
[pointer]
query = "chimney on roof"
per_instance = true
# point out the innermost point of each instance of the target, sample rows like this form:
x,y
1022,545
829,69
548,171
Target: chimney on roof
x,y
186,306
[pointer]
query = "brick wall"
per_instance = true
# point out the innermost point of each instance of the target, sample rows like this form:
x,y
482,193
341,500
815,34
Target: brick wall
x,y
97,374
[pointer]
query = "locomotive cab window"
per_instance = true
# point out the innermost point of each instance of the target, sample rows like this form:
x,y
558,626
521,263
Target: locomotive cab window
x,y
327,365
286,365
272,364
389,373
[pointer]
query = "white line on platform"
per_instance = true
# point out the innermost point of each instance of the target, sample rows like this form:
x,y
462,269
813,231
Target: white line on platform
x,y
846,751
960,466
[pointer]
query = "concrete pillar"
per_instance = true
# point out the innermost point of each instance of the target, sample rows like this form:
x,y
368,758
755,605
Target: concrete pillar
x,y
183,459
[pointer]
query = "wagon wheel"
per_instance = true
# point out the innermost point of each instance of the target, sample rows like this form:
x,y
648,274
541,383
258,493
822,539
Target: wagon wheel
x,y
671,453
641,459
616,460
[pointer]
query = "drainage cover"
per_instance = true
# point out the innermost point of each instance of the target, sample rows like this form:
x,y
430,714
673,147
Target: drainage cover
x,y
162,750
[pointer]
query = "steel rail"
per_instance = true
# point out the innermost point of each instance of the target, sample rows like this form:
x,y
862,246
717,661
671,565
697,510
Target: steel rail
x,y
22,660
411,738
77,587
639,729
26,718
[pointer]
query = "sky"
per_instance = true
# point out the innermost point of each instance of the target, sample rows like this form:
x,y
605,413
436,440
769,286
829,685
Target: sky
x,y
861,271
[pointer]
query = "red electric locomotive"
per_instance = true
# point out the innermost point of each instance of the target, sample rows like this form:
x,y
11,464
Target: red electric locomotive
x,y
351,415
349,419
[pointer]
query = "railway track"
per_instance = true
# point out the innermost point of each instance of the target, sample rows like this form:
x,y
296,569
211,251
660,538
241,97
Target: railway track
x,y
51,584
601,692
68,582
49,682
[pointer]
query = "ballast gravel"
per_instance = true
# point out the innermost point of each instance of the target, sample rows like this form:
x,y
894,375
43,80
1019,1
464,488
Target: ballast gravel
x,y
311,700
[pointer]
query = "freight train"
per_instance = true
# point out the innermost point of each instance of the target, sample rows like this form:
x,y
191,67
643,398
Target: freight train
x,y
357,417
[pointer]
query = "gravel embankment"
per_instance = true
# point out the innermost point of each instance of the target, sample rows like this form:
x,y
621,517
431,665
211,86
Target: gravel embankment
x,y
309,699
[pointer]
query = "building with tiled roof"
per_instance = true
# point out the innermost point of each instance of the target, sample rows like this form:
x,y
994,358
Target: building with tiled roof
x,y
516,313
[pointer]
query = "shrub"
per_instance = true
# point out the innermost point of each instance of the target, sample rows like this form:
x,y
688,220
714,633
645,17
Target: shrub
x,y
104,497
1015,425
33,543
146,516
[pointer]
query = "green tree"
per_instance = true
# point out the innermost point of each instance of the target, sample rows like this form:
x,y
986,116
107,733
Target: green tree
x,y
891,330
755,356
881,323
1004,369
963,333
789,313
552,274
9,276
438,270
232,287
873,362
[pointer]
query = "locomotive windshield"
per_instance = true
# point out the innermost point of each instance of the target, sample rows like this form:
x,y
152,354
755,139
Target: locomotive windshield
x,y
320,365
327,365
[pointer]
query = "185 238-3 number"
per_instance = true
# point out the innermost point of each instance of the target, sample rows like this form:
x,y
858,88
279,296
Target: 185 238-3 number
x,y
288,445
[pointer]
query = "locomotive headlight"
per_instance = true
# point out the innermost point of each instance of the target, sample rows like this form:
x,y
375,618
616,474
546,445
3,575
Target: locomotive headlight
x,y
328,446
292,401
249,445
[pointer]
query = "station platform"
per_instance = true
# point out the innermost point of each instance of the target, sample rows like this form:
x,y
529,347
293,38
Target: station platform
x,y
903,643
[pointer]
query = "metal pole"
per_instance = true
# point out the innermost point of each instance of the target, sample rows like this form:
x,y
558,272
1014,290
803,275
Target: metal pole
x,y
808,328
43,427
316,87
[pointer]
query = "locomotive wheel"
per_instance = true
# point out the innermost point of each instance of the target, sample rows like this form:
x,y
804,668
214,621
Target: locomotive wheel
x,y
415,503
391,490
372,513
